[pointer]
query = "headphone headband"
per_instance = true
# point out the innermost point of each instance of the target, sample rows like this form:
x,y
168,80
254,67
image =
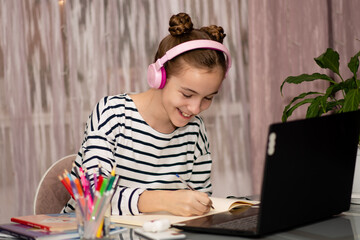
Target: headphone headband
x,y
156,71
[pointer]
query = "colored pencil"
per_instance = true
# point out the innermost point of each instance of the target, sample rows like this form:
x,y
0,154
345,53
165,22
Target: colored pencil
x,y
67,186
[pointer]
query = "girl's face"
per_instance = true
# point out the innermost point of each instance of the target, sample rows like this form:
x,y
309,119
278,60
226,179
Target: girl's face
x,y
190,92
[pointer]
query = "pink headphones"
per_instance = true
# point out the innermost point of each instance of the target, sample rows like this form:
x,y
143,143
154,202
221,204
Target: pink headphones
x,y
156,74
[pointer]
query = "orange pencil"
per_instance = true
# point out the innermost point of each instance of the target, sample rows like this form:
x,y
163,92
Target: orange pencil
x,y
78,186
67,180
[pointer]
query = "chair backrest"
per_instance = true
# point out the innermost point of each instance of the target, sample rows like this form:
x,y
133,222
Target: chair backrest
x,y
51,195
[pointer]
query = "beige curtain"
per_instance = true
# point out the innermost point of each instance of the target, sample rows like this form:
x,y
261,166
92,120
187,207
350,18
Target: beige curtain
x,y
284,38
59,57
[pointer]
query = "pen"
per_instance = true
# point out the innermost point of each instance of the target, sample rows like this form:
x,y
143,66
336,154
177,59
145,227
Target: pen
x,y
189,187
103,186
92,209
99,167
111,179
88,182
95,181
183,181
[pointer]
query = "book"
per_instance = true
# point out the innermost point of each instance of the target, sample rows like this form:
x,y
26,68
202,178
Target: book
x,y
219,204
49,222
21,231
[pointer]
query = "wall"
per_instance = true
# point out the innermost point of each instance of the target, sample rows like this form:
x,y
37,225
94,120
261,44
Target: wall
x,y
284,38
58,58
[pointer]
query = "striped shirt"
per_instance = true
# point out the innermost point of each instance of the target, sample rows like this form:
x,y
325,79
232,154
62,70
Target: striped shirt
x,y
145,159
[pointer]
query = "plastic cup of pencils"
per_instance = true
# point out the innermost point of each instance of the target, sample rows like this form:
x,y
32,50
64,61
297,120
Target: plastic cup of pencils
x,y
93,216
93,205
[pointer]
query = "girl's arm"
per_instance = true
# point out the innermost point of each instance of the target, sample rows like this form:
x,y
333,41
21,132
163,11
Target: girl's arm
x,y
179,202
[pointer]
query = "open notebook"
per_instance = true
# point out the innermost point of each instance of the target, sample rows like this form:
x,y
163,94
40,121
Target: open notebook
x,y
219,204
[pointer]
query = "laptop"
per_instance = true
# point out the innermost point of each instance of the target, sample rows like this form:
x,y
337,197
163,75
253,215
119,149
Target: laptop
x,y
308,177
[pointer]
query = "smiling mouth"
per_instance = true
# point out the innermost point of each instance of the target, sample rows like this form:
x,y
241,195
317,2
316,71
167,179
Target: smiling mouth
x,y
184,114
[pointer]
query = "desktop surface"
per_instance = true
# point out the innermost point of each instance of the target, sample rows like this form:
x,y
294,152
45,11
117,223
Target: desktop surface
x,y
343,226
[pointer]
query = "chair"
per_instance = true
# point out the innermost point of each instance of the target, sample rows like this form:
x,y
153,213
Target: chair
x,y
51,195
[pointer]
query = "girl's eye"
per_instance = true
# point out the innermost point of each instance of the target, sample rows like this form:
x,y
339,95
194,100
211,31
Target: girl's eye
x,y
209,98
187,96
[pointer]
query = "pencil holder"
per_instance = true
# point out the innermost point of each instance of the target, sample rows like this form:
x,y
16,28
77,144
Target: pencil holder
x,y
93,205
93,218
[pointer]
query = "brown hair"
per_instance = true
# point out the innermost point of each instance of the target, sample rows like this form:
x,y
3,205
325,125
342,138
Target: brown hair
x,y
181,30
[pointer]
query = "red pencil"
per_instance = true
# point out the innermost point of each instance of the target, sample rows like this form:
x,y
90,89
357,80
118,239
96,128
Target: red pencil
x,y
68,188
100,180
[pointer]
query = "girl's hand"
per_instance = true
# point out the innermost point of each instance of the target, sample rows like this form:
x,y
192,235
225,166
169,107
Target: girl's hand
x,y
188,203
179,202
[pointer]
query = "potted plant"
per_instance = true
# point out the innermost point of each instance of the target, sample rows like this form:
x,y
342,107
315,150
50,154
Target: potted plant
x,y
323,102
342,95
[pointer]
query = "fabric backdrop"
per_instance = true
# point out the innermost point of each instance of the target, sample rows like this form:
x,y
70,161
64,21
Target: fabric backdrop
x,y
284,38
58,58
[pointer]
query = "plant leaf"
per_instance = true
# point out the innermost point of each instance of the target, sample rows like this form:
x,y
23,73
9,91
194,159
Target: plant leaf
x,y
306,78
287,114
354,64
331,90
329,60
331,106
300,96
314,110
351,100
350,84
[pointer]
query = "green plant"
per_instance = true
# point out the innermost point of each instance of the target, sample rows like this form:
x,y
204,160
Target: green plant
x,y
323,102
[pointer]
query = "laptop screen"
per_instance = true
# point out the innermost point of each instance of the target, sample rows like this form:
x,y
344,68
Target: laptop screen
x,y
309,170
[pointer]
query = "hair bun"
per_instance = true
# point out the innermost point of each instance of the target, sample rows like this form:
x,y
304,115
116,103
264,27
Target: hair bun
x,y
179,24
215,32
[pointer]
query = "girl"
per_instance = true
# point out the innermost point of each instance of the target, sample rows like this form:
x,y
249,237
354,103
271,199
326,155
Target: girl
x,y
151,136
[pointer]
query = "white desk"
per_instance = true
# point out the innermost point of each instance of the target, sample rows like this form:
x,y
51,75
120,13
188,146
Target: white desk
x,y
345,226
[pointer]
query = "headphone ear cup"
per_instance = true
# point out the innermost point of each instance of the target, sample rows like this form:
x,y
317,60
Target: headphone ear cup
x,y
156,78
163,78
